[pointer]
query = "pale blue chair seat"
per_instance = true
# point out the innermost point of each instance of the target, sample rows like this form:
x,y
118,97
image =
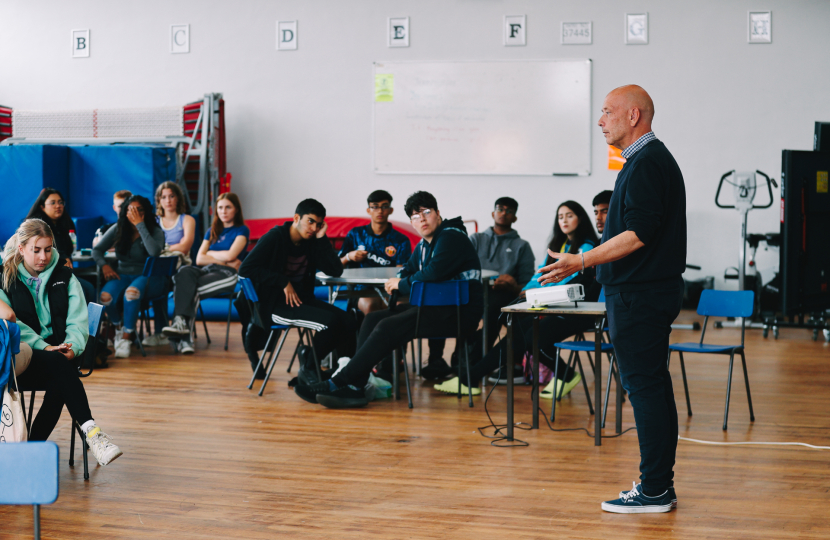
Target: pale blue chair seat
x,y
29,475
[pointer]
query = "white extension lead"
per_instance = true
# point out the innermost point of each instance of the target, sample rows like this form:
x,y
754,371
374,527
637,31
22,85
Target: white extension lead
x,y
755,443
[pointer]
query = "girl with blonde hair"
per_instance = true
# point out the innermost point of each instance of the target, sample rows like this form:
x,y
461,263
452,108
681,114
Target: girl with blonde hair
x,y
48,305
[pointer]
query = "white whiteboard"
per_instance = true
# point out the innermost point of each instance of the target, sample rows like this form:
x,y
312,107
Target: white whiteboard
x,y
510,117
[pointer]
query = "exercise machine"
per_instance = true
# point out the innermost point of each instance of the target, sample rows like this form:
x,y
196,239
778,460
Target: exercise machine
x,y
744,189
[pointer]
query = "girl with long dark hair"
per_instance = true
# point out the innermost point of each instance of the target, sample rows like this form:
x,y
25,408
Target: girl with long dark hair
x,y
51,311
135,236
218,261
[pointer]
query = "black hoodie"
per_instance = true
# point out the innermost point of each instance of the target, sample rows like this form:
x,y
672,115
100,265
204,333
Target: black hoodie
x,y
450,255
265,265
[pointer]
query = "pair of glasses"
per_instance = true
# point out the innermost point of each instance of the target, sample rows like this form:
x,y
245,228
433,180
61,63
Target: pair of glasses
x,y
56,203
506,210
420,216
384,207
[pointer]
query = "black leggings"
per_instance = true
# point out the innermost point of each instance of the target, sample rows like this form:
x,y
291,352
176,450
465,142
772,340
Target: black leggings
x,y
552,330
53,373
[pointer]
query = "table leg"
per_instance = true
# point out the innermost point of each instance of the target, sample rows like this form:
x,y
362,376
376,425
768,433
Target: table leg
x,y
619,399
509,370
598,381
485,326
535,390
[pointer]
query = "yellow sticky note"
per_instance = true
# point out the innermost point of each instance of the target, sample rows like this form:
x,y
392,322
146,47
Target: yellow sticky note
x,y
821,182
615,159
384,86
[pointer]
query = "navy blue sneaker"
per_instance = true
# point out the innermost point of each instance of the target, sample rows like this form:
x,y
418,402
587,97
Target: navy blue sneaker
x,y
634,502
672,494
347,397
309,391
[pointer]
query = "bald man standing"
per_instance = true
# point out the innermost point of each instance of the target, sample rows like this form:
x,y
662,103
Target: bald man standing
x,y
640,265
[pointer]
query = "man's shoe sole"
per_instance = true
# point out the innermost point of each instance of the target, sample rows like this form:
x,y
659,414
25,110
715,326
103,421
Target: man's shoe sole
x,y
333,402
304,396
651,509
175,333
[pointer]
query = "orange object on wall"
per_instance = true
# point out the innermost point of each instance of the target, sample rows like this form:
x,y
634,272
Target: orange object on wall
x,y
615,159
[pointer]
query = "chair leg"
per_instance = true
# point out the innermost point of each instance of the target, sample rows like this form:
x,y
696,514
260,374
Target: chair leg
x,y
272,361
406,377
728,390
228,328
314,353
469,380
420,358
31,410
571,365
414,362
139,334
261,356
83,449
72,445
607,391
748,395
685,384
396,377
204,322
585,384
296,351
555,377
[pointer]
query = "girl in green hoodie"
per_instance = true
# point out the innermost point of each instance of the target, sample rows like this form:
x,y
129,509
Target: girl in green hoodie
x,y
49,307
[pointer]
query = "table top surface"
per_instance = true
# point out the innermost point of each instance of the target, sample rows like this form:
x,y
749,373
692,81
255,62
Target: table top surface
x,y
582,308
375,276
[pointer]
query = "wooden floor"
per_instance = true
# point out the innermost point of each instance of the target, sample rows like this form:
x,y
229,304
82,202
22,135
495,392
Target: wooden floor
x,y
206,458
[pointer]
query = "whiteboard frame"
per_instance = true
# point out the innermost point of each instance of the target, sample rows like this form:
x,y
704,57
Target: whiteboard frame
x,y
589,172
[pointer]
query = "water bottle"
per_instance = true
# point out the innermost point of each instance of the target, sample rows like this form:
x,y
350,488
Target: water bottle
x,y
74,240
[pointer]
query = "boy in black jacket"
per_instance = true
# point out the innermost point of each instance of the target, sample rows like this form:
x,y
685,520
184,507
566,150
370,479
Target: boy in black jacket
x,y
282,267
445,253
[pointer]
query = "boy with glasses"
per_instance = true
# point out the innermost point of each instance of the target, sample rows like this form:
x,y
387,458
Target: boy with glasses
x,y
376,244
445,253
499,248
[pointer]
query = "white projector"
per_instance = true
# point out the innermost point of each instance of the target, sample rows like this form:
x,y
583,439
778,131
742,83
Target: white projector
x,y
555,295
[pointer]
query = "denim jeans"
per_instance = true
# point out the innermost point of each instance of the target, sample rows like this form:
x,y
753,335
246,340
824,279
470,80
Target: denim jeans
x,y
640,324
147,287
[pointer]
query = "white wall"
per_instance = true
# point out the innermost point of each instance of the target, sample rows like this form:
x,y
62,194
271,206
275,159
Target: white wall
x,y
299,123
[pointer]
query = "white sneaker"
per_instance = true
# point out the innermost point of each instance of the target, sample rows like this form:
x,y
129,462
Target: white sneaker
x,y
154,340
186,346
178,329
122,347
101,446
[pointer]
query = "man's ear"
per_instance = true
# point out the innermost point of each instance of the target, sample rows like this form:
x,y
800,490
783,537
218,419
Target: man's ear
x,y
515,218
368,211
493,215
634,115
391,211
296,219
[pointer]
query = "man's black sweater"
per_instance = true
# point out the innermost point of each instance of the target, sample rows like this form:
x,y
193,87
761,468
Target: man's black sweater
x,y
265,265
450,255
650,199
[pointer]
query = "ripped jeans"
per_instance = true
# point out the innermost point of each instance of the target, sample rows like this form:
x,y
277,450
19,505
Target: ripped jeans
x,y
132,289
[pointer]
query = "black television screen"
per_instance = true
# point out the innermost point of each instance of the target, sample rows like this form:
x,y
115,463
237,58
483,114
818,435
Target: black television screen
x,y
805,232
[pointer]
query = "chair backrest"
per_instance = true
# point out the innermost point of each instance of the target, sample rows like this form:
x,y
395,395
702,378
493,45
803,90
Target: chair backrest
x,y
726,303
252,299
94,312
160,266
29,474
440,293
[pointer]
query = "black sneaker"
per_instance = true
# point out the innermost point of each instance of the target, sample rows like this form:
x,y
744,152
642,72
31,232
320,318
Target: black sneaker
x,y
347,397
499,378
635,502
308,368
309,392
435,370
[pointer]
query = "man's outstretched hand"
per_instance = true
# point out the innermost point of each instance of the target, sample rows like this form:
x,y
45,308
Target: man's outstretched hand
x,y
566,264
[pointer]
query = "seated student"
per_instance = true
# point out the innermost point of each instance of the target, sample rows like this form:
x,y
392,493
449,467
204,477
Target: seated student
x,y
499,248
282,267
572,233
50,207
600,204
218,263
50,309
375,245
135,236
117,200
445,253
179,233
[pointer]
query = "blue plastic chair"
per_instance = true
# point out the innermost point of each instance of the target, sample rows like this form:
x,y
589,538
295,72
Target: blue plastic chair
x,y
251,297
720,304
441,293
94,313
34,477
155,267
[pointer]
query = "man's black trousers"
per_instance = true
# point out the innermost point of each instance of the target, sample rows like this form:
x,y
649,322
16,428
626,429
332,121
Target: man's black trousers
x,y
332,326
384,331
640,324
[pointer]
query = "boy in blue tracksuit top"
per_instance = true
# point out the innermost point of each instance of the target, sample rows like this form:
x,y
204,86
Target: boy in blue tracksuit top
x,y
375,245
445,253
